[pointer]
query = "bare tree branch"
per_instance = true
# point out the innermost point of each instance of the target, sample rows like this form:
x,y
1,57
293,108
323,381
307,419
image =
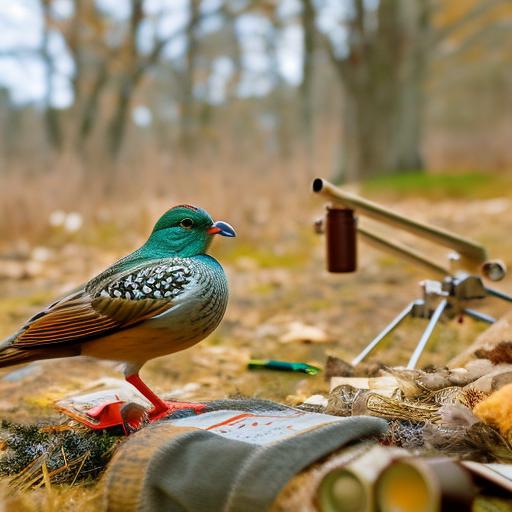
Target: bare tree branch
x,y
481,8
492,32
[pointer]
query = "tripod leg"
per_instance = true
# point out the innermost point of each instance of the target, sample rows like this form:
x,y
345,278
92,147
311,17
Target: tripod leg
x,y
500,295
389,328
479,316
426,334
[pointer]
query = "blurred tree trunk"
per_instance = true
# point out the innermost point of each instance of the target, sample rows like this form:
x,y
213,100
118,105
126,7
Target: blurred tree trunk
x,y
280,95
51,114
117,126
383,75
306,87
85,34
88,83
235,51
127,82
75,46
383,71
89,111
187,118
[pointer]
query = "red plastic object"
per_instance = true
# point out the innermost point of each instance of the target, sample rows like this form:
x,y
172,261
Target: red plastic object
x,y
103,416
128,414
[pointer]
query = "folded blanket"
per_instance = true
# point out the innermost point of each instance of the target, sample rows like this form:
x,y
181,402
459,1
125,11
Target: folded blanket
x,y
229,461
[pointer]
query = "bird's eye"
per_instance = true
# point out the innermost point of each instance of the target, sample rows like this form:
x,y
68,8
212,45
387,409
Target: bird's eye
x,y
187,223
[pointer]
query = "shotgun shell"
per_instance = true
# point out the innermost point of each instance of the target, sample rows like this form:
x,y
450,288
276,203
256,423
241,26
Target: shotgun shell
x,y
425,485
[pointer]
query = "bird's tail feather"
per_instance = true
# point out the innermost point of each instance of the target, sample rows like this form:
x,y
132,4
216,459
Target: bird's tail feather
x,y
11,356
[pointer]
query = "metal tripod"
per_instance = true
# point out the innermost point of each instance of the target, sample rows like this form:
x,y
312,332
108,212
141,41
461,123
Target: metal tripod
x,y
448,297
444,299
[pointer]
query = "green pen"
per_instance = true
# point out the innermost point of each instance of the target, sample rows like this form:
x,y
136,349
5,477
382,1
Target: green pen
x,y
272,364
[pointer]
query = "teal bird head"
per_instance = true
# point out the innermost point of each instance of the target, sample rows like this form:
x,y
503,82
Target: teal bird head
x,y
185,231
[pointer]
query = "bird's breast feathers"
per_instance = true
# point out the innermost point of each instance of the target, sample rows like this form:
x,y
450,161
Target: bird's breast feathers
x,y
199,300
195,289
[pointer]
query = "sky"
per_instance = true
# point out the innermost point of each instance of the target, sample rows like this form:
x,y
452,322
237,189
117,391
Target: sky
x,y
23,73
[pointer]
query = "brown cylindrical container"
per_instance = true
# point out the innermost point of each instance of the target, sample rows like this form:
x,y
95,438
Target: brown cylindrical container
x,y
341,231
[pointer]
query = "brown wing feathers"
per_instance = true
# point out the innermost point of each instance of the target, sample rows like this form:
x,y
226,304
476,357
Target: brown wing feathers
x,y
70,319
87,313
79,318
129,312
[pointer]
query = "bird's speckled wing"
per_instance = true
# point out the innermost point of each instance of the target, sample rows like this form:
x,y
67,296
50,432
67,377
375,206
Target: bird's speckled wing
x,y
107,304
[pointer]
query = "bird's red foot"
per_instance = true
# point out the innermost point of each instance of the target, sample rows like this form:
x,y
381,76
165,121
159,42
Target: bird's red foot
x,y
161,408
131,415
165,409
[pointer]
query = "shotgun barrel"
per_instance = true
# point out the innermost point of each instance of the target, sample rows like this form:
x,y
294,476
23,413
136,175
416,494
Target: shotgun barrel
x,y
468,249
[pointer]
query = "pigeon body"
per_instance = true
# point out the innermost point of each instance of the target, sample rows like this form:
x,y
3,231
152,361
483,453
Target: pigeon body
x,y
162,298
197,289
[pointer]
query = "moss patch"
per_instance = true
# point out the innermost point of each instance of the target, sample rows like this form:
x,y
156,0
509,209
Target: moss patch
x,y
439,186
69,455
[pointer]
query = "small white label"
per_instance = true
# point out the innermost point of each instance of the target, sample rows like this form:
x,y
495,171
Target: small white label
x,y
257,428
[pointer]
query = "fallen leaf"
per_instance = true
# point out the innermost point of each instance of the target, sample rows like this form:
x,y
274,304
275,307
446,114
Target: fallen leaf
x,y
299,332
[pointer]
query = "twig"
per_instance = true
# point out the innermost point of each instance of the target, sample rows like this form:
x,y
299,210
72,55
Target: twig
x,y
84,457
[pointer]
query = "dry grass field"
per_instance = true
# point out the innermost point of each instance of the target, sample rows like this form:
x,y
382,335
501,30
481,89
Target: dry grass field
x,y
276,272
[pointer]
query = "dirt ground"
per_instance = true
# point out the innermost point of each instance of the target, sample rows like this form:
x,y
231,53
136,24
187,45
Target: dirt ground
x,y
278,285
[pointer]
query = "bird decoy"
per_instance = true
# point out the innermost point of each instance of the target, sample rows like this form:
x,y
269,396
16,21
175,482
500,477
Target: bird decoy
x,y
160,299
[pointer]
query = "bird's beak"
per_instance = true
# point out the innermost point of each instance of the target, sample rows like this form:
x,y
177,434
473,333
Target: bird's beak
x,y
221,228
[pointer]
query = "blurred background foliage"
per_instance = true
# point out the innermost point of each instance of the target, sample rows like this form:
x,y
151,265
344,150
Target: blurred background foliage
x,y
112,111
143,102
